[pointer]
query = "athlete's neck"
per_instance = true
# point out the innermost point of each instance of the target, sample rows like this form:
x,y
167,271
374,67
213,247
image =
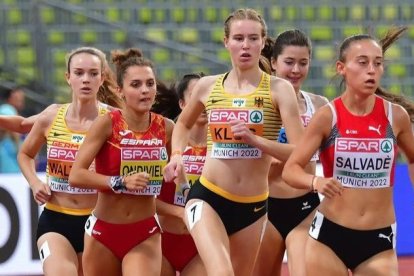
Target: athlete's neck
x,y
138,122
357,104
243,82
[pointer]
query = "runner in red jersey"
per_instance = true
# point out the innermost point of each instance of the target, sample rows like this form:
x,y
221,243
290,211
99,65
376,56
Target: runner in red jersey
x,y
178,248
358,135
130,147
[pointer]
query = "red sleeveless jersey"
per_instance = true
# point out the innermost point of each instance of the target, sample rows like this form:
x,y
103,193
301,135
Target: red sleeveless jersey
x,y
127,152
193,158
360,150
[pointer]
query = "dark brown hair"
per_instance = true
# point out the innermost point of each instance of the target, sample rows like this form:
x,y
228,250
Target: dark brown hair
x,y
125,59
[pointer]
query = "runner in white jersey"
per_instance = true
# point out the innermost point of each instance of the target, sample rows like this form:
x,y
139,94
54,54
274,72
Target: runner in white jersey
x,y
290,209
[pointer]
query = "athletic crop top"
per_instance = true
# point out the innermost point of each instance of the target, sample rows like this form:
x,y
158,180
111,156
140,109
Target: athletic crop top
x,y
127,152
62,147
255,109
193,158
305,117
360,150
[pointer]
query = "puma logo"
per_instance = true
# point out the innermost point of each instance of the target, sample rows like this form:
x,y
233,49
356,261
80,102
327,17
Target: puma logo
x,y
383,236
377,130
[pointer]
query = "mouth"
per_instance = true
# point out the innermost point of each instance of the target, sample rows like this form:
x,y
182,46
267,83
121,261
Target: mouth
x,y
145,100
245,56
370,82
86,90
294,79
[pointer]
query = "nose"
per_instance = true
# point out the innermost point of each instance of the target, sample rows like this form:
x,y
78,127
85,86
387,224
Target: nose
x,y
295,68
145,89
245,43
85,78
371,68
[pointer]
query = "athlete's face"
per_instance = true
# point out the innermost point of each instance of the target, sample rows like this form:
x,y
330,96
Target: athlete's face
x,y
202,119
362,67
139,88
293,65
85,75
245,43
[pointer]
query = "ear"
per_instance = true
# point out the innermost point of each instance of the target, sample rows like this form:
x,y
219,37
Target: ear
x,y
181,104
263,42
340,68
67,76
273,62
225,41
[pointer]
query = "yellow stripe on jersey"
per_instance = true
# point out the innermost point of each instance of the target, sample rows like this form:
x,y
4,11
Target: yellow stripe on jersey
x,y
259,100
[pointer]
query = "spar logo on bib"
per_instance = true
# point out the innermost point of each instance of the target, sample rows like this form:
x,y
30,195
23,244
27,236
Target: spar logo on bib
x,y
364,145
227,115
386,146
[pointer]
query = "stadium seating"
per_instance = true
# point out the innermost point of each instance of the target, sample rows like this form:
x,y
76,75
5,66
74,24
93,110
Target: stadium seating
x,y
187,36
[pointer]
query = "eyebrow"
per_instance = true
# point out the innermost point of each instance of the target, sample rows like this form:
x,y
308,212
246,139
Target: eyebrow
x,y
365,56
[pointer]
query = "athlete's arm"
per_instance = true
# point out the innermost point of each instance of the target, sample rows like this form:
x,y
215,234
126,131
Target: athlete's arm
x,y
27,154
20,124
171,210
169,126
80,176
405,136
185,122
294,173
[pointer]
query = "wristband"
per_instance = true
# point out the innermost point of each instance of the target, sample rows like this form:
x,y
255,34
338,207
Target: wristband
x,y
175,152
117,183
184,187
313,189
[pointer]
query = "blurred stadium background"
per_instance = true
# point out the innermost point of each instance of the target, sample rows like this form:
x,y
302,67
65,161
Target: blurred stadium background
x,y
185,36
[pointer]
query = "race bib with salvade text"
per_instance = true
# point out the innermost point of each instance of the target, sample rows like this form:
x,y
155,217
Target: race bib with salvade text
x,y
364,163
224,144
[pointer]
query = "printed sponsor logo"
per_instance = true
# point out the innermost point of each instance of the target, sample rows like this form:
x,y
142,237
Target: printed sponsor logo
x,y
357,145
139,142
76,138
240,102
62,154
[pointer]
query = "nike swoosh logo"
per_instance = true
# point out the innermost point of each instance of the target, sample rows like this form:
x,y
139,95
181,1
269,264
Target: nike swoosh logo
x,y
213,101
257,209
59,134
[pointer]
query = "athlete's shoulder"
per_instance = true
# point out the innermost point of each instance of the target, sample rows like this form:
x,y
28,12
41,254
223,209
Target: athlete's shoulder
x,y
208,80
317,100
278,84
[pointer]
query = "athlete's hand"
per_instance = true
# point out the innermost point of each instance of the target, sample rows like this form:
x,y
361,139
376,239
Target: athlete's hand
x,y
136,181
41,192
242,132
174,168
328,187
